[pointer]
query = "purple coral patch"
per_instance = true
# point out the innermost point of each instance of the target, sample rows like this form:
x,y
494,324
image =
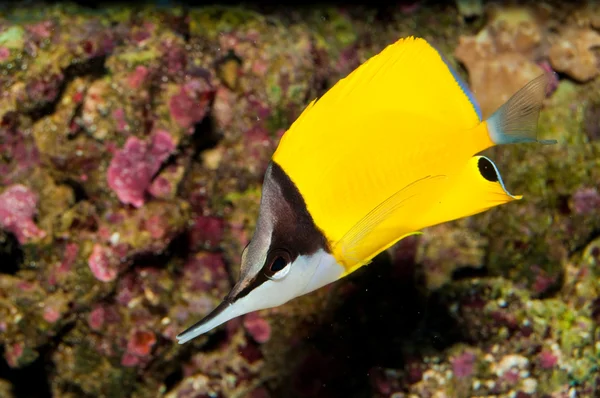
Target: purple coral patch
x,y
132,168
190,104
463,365
586,201
206,232
17,208
100,264
547,359
258,327
4,54
138,76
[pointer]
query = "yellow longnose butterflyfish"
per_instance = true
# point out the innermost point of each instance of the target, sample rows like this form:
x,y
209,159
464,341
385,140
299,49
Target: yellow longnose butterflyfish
x,y
389,150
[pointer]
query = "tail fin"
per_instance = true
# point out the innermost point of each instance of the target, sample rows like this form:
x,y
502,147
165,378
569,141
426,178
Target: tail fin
x,y
517,120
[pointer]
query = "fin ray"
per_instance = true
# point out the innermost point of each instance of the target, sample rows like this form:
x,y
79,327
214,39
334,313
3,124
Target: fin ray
x,y
516,120
356,250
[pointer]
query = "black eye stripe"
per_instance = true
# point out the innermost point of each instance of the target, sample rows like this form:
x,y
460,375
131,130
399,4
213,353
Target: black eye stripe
x,y
276,261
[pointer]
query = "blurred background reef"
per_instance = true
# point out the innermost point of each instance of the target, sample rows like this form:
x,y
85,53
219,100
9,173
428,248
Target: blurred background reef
x,y
133,140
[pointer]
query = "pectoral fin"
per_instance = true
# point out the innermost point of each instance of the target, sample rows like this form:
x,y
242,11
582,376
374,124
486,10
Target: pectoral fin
x,y
392,220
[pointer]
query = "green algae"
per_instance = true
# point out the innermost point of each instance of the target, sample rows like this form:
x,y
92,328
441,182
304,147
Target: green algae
x,y
86,358
213,21
6,389
141,57
553,321
246,205
334,29
591,257
470,8
13,38
562,118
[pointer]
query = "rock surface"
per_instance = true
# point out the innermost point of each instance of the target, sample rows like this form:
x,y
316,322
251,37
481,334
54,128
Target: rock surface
x,y
132,148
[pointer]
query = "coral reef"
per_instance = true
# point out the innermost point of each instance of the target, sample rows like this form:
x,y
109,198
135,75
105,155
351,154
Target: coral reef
x,y
133,142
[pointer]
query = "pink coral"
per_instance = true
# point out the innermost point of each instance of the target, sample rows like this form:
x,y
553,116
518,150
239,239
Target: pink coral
x,y
206,231
127,289
13,353
258,148
547,359
51,315
102,315
129,360
69,257
42,90
119,116
96,318
4,54
138,76
463,365
141,342
160,188
15,146
542,280
258,327
139,347
204,271
166,183
100,264
586,201
157,226
132,168
41,30
190,104
17,208
174,57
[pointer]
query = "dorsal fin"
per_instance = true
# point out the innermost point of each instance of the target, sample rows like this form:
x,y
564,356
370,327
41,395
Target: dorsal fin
x,y
409,75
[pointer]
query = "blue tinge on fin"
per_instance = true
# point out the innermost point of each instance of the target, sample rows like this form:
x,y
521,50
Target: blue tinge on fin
x,y
516,120
463,85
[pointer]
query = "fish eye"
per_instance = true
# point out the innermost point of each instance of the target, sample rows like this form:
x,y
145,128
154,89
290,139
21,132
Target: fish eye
x,y
279,265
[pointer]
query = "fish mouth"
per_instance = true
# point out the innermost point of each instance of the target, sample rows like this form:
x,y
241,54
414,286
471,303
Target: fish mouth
x,y
221,314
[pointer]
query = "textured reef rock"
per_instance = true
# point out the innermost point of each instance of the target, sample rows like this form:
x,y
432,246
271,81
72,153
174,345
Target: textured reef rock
x,y
501,58
132,148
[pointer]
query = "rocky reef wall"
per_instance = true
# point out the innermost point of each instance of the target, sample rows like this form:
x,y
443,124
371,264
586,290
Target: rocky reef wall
x,y
133,140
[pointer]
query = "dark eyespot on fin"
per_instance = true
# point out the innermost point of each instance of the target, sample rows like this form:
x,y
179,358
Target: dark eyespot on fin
x,y
487,169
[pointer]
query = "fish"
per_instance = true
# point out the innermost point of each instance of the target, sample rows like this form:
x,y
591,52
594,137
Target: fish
x,y
389,150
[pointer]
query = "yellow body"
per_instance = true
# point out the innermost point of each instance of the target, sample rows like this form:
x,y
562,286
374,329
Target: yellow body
x,y
387,151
